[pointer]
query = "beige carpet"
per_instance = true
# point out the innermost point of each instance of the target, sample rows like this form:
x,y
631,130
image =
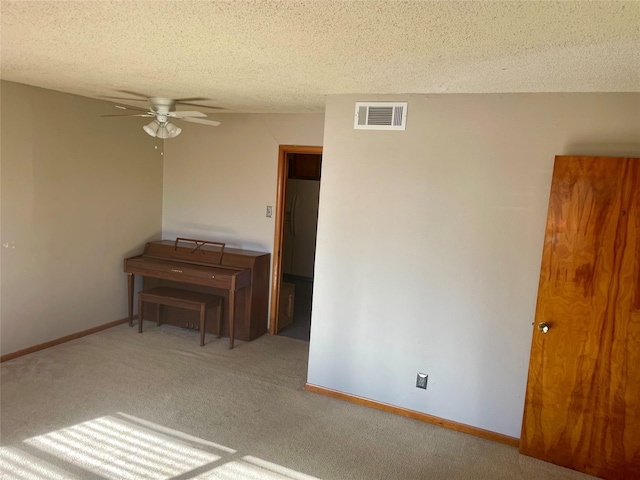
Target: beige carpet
x,y
118,405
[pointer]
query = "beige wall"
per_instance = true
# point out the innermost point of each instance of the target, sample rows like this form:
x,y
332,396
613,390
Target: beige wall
x,y
430,240
218,181
79,192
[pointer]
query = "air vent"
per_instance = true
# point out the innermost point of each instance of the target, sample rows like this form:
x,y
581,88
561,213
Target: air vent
x,y
381,115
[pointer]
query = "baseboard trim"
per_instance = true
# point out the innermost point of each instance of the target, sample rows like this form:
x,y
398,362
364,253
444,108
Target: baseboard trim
x,y
58,341
423,417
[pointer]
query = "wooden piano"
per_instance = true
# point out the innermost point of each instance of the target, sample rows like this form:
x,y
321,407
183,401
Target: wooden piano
x,y
241,276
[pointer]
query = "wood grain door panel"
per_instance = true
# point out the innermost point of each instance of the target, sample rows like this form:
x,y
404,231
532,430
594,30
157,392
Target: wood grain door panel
x,y
582,402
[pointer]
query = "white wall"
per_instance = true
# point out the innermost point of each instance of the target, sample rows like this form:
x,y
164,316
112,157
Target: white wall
x,y
79,193
430,240
218,181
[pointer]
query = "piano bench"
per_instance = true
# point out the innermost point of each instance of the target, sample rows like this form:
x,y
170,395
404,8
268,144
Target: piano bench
x,y
175,297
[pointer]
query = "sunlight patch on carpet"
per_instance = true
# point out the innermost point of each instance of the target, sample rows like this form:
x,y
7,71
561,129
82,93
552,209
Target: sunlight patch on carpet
x,y
118,449
251,468
122,447
18,465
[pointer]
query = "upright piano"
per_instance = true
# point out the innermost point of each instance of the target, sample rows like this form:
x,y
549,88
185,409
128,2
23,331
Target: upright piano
x,y
241,276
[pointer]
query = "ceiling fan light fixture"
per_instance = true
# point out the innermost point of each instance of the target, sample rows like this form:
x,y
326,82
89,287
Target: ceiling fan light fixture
x,y
152,129
172,130
162,132
167,130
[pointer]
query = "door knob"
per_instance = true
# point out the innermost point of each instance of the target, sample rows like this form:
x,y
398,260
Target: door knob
x,y
543,327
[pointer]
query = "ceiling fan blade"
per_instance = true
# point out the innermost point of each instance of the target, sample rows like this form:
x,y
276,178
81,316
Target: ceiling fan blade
x,y
131,107
183,114
191,99
130,115
200,105
111,97
136,94
212,123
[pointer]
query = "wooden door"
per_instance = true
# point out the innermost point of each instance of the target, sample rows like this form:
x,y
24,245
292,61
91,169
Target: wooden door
x,y
582,407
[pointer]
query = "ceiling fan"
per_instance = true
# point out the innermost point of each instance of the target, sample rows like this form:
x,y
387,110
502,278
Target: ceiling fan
x,y
163,110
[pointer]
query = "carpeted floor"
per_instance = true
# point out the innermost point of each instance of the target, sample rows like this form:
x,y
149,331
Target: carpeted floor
x,y
119,405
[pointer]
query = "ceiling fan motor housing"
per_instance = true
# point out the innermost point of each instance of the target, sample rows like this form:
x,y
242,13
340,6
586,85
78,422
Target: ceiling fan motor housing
x,y
162,105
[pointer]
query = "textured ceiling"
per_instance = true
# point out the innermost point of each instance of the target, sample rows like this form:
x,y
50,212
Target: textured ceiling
x,y
285,56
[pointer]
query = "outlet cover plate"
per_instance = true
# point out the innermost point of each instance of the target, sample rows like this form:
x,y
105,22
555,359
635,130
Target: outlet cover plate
x,y
421,380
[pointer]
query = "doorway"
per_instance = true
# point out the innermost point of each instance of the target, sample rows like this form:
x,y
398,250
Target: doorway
x,y
299,169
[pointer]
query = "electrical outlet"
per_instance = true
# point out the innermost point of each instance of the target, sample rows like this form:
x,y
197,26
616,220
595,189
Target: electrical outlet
x,y
421,380
269,211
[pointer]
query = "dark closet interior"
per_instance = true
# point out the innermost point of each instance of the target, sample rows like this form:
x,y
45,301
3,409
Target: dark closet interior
x,y
299,242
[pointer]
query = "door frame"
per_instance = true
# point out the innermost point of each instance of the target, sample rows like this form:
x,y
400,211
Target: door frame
x,y
278,239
